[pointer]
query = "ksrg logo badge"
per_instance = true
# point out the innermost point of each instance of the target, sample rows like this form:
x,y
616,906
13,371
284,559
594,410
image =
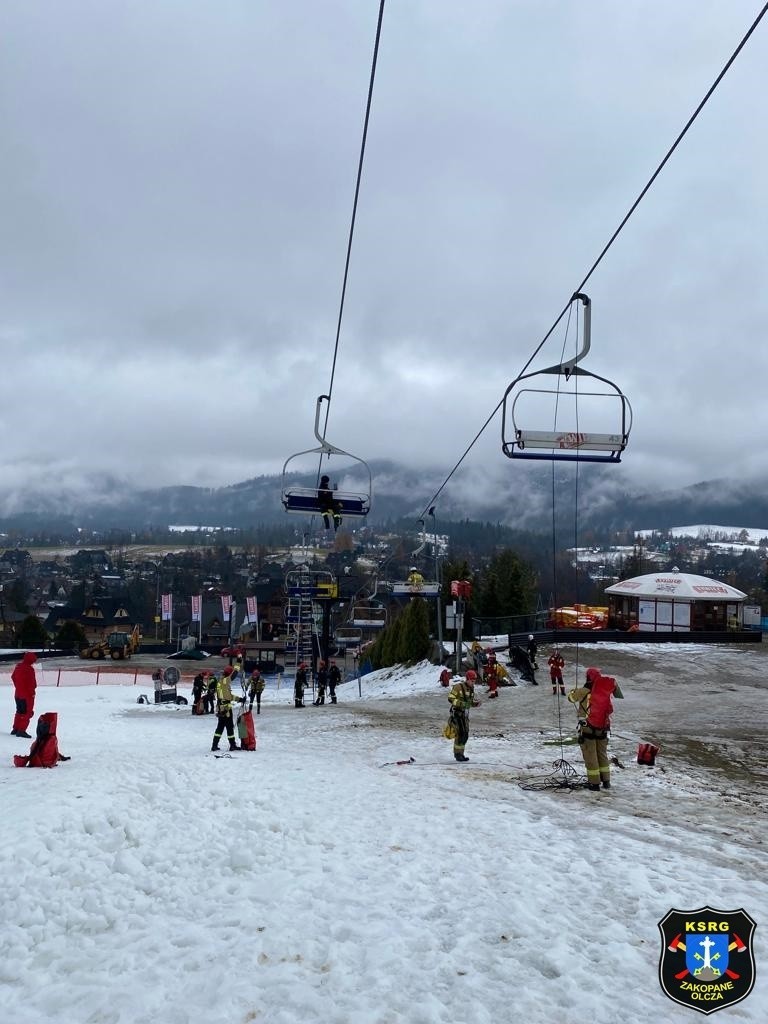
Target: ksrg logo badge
x,y
706,957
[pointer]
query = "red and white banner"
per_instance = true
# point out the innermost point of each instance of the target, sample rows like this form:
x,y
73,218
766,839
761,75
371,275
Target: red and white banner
x,y
197,607
252,609
226,601
167,607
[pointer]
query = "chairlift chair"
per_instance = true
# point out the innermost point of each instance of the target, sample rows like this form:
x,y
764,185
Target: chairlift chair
x,y
574,442
368,617
348,636
304,500
429,588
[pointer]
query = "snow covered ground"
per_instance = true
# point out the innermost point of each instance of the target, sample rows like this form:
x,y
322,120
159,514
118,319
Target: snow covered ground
x,y
146,880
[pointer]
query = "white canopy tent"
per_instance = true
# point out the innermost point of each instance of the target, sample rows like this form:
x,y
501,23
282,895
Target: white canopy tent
x,y
675,602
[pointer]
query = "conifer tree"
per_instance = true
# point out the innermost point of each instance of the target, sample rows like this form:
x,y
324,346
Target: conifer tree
x,y
413,642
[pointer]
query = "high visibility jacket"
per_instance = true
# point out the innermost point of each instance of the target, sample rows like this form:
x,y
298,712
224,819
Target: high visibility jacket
x,y
224,694
461,696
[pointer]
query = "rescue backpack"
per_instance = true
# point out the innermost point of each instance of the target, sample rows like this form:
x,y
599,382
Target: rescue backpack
x,y
246,731
44,752
600,706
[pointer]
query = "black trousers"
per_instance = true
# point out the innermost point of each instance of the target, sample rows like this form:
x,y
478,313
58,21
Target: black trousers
x,y
225,721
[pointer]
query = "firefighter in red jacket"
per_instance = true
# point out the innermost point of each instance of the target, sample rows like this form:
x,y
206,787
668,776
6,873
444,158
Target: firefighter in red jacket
x,y
491,674
556,664
24,686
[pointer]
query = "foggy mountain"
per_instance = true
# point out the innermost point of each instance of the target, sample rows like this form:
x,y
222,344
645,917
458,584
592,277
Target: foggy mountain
x,y
513,496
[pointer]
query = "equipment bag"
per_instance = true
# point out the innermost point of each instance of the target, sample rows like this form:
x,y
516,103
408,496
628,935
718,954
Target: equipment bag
x,y
450,730
44,752
246,731
646,754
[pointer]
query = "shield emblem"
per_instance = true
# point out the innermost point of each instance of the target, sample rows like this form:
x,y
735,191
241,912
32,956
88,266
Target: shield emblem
x,y
706,960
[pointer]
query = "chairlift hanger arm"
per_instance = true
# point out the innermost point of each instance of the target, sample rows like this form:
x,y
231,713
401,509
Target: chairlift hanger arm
x,y
568,367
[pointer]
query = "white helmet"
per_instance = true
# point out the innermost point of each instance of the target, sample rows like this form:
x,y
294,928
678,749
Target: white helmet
x,y
530,636
413,569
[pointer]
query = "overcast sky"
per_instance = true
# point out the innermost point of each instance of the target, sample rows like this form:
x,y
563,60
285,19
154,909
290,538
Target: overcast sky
x,y
176,185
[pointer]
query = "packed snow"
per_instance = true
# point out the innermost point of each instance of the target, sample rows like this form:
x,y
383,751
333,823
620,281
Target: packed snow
x,y
350,871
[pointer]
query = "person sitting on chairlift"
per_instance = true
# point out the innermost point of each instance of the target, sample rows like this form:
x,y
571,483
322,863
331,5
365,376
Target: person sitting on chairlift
x,y
330,509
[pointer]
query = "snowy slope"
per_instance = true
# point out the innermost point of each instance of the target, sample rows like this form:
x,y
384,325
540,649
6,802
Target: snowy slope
x,y
313,880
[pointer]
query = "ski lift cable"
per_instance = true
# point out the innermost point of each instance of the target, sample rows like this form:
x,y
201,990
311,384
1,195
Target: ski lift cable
x,y
646,188
354,211
305,502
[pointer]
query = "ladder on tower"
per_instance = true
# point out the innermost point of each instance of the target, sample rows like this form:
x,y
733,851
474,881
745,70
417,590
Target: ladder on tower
x,y
300,619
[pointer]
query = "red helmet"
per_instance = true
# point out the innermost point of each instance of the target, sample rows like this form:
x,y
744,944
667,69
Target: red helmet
x,y
227,671
471,675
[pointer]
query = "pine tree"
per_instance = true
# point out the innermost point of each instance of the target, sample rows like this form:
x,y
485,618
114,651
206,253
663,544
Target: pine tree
x,y
71,636
32,633
413,643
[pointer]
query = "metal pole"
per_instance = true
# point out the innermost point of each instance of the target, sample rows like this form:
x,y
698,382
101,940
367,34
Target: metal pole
x,y
459,625
437,577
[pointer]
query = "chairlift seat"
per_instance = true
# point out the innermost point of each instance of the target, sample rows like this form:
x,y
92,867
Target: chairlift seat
x,y
304,501
346,636
567,444
426,589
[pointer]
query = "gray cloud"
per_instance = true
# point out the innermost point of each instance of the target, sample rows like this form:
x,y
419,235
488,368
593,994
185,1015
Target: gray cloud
x,y
176,187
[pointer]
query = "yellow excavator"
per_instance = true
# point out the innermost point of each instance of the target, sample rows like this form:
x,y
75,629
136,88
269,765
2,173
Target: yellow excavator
x,y
117,645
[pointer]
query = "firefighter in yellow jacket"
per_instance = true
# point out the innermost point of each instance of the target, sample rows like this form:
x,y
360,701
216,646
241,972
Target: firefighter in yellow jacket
x,y
256,687
462,698
224,705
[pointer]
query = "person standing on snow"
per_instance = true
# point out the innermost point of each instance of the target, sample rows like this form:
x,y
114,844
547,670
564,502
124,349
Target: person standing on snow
x,y
531,650
334,678
594,708
462,698
556,664
24,687
198,689
322,683
209,697
299,686
256,686
224,705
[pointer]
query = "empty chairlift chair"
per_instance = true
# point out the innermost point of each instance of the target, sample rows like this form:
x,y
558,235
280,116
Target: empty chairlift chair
x,y
595,417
